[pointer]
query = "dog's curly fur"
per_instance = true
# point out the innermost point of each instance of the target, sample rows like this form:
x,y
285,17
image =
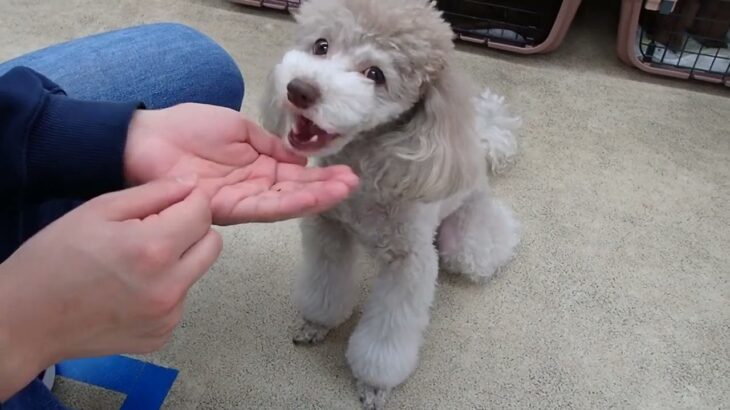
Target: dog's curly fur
x,y
419,144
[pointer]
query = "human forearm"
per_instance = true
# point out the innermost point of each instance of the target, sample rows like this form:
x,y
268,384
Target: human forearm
x,y
106,278
22,357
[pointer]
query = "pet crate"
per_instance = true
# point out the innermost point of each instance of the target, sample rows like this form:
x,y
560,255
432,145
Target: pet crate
x,y
273,4
678,38
520,26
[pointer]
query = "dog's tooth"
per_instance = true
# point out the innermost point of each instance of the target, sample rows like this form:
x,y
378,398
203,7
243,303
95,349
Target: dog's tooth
x,y
315,138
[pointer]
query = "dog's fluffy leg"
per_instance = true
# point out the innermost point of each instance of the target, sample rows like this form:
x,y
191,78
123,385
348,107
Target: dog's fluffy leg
x,y
372,398
383,349
326,289
479,238
496,128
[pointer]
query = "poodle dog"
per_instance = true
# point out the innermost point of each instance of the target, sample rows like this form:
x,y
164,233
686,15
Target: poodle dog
x,y
371,84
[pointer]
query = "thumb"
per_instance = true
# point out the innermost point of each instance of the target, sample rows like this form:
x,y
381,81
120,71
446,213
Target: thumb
x,y
145,200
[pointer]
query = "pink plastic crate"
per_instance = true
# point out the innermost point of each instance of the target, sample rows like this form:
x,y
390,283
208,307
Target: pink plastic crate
x,y
682,39
273,4
519,26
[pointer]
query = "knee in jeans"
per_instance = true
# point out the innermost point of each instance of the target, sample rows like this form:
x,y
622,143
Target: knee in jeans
x,y
220,80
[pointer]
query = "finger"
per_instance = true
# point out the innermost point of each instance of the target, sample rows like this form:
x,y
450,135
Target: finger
x,y
271,206
196,261
183,223
145,200
348,178
291,172
328,194
227,198
268,144
235,203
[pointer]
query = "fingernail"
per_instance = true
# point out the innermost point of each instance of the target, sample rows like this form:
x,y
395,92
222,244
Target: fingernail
x,y
351,179
188,180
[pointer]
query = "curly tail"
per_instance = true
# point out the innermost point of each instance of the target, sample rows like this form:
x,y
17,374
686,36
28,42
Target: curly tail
x,y
496,128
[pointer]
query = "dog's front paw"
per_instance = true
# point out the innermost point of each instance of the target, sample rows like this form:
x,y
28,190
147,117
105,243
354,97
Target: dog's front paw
x,y
372,398
310,333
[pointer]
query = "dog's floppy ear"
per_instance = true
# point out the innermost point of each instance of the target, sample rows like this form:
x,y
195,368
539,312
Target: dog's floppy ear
x,y
273,118
441,153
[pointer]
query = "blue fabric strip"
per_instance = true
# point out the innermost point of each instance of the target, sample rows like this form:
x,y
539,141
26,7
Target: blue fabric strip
x,y
145,384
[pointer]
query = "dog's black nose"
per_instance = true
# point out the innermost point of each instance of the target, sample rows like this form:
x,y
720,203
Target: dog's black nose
x,y
301,93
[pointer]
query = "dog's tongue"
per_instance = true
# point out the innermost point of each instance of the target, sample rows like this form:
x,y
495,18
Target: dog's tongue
x,y
307,136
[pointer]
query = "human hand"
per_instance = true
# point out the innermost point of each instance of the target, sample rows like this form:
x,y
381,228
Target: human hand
x,y
247,173
109,277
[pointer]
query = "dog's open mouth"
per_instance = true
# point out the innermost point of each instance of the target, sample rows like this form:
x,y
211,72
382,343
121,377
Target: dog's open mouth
x,y
305,135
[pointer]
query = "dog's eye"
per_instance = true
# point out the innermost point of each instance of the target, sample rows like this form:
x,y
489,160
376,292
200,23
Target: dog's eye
x,y
320,47
375,74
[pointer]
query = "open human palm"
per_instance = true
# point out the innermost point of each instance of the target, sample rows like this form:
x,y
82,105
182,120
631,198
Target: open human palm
x,y
248,174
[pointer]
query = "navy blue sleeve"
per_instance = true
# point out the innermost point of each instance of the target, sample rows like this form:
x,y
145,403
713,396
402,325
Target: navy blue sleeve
x,y
53,146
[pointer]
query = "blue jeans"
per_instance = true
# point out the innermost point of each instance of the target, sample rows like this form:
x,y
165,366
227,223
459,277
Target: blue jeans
x,y
159,64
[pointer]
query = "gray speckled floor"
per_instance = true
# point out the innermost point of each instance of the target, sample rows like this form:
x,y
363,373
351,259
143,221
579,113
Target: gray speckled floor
x,y
620,294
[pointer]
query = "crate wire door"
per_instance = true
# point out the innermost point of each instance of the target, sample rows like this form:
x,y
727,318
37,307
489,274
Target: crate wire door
x,y
682,39
522,26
